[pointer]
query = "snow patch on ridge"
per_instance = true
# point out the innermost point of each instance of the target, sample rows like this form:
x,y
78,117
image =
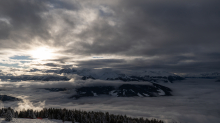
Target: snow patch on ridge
x,y
113,93
161,92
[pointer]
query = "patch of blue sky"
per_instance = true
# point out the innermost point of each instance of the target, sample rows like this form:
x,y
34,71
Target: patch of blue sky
x,y
25,62
16,57
10,65
97,57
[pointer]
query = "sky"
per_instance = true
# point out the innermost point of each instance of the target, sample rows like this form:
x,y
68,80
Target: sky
x,y
175,36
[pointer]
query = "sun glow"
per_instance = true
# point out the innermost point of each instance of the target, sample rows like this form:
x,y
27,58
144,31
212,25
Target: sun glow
x,y
42,53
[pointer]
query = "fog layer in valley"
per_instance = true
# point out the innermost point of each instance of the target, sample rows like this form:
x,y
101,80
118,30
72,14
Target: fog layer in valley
x,y
193,100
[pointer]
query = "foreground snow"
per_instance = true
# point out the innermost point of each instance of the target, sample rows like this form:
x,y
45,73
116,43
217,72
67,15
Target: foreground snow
x,y
24,120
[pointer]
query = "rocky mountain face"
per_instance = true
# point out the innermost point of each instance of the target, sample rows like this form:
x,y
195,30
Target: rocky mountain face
x,y
124,90
8,98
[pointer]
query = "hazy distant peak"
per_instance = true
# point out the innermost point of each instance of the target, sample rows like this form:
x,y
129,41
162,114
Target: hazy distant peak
x,y
204,75
156,73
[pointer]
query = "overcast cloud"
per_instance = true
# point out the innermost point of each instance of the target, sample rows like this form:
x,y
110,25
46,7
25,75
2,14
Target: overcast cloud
x,y
177,36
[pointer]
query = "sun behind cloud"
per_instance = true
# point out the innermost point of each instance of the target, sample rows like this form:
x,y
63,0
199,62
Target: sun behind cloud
x,y
42,53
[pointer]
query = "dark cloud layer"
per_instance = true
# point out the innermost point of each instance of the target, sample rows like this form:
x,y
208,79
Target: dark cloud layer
x,y
179,36
24,21
155,28
183,36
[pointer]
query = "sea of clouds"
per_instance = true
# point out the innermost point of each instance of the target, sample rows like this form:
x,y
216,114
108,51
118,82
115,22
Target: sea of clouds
x,y
193,100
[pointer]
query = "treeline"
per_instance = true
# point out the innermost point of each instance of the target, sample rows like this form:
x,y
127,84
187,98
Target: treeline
x,y
72,115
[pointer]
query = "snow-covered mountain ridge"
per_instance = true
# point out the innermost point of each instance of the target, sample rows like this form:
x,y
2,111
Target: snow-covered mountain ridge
x,y
204,75
109,74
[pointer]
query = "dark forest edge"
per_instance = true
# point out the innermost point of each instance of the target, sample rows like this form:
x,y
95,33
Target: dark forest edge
x,y
72,115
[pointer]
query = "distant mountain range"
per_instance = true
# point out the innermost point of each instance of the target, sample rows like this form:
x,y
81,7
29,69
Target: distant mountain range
x,y
203,75
148,75
36,78
109,74
101,74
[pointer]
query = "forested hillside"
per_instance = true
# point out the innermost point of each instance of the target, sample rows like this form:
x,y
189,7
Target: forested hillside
x,y
76,116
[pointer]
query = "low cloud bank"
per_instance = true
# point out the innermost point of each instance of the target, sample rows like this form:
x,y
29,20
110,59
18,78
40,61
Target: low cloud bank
x,y
193,100
65,84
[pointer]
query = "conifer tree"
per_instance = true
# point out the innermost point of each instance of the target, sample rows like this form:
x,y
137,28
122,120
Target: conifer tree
x,y
50,115
45,113
13,113
73,120
112,121
63,119
36,114
41,114
28,114
58,116
19,115
65,115
3,113
8,116
70,114
16,114
25,113
32,115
